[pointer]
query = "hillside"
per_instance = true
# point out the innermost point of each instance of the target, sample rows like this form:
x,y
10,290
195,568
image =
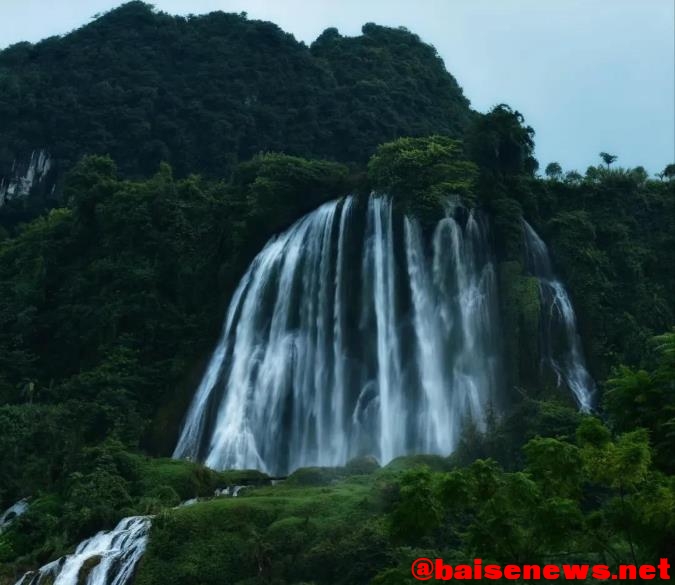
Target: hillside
x,y
315,264
205,92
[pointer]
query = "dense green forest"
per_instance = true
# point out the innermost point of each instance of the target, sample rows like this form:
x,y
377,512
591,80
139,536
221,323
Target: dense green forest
x,y
181,145
206,92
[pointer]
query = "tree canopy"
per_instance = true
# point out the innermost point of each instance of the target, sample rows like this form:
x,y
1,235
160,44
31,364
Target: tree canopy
x,y
206,92
608,159
181,146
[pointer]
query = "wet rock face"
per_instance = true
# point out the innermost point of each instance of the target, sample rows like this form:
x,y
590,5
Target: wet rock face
x,y
86,569
24,176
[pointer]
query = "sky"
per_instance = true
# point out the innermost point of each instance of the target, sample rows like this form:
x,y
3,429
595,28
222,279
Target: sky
x,y
588,75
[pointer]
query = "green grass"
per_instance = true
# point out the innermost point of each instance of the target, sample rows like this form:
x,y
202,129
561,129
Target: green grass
x,y
286,533
55,523
191,480
433,462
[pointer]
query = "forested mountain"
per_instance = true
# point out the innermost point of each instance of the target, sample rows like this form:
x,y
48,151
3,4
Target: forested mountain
x,y
325,233
205,92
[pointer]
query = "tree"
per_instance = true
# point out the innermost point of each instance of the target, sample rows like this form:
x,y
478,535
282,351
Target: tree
x,y
608,159
421,173
132,100
639,175
641,398
669,172
89,182
593,174
555,465
418,511
499,142
553,171
573,177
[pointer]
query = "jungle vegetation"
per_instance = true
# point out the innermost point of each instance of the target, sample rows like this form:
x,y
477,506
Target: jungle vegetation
x,y
182,145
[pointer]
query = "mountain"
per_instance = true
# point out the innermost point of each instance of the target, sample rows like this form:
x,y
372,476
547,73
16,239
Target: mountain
x,y
205,92
435,351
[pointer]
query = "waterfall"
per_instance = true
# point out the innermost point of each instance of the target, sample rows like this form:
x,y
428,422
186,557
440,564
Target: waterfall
x,y
12,513
560,346
354,332
24,176
109,558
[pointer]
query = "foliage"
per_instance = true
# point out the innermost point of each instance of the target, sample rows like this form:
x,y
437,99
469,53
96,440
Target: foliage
x,y
388,84
291,534
423,174
587,498
521,310
553,170
608,159
277,189
204,93
104,484
499,143
105,303
647,399
611,238
110,304
106,306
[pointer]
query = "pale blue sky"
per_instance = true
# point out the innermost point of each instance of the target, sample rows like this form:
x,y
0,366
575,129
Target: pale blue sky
x,y
588,75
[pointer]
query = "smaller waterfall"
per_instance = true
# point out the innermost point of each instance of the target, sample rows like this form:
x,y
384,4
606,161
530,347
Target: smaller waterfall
x,y
561,348
12,513
24,176
110,558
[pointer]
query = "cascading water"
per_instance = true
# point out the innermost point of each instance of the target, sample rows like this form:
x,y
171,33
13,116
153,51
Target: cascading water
x,y
560,345
24,176
12,513
109,558
352,333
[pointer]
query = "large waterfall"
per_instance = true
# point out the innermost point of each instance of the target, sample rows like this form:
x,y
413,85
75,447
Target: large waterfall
x,y
355,332
109,558
560,344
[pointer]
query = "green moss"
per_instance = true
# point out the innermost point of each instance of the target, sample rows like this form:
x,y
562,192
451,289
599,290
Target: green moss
x,y
529,305
317,476
521,310
362,466
86,568
433,462
507,227
288,532
313,476
189,480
